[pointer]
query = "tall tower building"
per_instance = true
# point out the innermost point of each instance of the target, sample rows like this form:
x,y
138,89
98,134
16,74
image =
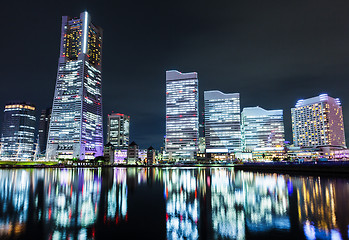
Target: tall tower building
x,y
76,129
182,118
118,130
44,125
222,122
262,128
318,121
18,129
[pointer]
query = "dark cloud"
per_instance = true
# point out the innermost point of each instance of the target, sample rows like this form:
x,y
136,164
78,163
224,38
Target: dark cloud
x,y
272,52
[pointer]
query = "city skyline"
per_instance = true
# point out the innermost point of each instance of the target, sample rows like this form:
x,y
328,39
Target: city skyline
x,y
274,68
174,120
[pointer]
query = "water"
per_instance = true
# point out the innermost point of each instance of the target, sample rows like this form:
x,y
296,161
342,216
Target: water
x,y
172,203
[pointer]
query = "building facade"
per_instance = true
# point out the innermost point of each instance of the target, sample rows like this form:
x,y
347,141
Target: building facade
x,y
318,121
44,125
17,138
76,127
262,129
118,130
150,156
182,119
132,153
109,153
222,122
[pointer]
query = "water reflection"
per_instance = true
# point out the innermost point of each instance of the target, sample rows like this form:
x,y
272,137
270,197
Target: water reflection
x,y
322,207
14,202
227,200
266,202
172,203
182,206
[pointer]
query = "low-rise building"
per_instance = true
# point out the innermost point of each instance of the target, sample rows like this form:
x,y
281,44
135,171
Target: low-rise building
x,y
132,153
109,153
150,156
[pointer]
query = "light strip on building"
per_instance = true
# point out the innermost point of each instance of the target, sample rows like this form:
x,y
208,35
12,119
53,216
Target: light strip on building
x,y
85,33
217,150
323,97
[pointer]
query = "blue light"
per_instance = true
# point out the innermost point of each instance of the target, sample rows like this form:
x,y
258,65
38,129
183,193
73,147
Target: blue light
x,y
290,187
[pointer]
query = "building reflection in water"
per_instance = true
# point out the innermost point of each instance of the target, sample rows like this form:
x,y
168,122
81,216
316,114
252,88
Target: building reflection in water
x,y
227,199
14,192
182,207
266,201
256,202
247,201
322,207
212,203
72,201
68,201
117,197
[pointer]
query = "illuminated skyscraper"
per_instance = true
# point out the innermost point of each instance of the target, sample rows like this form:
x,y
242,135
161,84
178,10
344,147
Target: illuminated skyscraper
x,y
182,115
262,128
18,129
318,121
118,130
222,122
76,124
44,124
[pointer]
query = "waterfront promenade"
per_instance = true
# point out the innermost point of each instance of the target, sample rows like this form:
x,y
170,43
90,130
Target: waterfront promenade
x,y
329,167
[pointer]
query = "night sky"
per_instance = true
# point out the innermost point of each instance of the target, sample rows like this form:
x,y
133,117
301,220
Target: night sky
x,y
271,52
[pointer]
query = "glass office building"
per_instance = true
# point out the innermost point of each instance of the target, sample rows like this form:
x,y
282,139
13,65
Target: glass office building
x,y
182,117
222,122
76,129
44,125
17,138
118,130
318,121
262,128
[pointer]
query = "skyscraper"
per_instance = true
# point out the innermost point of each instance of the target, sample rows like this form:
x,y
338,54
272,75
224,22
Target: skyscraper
x,y
262,128
18,129
318,121
44,125
182,117
222,122
76,129
118,130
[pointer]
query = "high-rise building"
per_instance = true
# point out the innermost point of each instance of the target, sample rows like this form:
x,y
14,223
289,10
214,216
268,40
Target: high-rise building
x,y
17,138
222,122
76,129
262,128
118,130
182,117
44,125
318,121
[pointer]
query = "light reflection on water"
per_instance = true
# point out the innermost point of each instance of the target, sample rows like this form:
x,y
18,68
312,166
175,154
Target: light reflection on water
x,y
172,203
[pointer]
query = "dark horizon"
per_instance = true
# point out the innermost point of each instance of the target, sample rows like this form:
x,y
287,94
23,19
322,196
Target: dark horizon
x,y
272,53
